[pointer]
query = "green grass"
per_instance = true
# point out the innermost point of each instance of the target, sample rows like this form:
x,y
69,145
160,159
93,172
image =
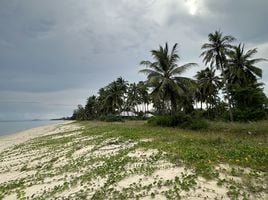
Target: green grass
x,y
242,144
259,128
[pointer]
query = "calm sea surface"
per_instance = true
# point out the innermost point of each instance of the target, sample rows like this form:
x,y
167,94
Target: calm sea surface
x,y
8,127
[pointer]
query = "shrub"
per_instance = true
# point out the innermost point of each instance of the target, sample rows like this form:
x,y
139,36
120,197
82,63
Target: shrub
x,y
198,123
166,120
249,114
111,118
194,122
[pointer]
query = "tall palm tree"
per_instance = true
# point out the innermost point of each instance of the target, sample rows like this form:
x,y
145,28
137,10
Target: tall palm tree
x,y
163,75
242,68
214,53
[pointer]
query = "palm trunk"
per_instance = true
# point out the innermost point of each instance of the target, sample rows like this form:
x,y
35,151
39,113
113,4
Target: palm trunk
x,y
227,91
173,105
228,96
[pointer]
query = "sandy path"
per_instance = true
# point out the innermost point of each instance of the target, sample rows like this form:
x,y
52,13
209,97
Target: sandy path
x,y
23,136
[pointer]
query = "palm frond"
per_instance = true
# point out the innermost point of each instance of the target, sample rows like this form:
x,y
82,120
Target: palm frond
x,y
182,68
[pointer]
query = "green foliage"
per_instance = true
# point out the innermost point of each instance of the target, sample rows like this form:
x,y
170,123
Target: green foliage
x,y
180,120
165,121
242,144
242,69
198,123
91,108
111,118
208,85
113,99
79,113
249,102
214,53
249,114
163,76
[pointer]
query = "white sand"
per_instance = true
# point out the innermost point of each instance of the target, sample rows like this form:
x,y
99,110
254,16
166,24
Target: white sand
x,y
23,136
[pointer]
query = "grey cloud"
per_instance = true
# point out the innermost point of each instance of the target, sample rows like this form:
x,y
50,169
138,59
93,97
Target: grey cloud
x,y
245,19
67,45
39,28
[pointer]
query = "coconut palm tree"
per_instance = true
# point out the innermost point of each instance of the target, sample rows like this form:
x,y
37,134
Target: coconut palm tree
x,y
115,96
143,95
91,108
208,85
133,97
163,75
200,93
215,54
242,68
102,94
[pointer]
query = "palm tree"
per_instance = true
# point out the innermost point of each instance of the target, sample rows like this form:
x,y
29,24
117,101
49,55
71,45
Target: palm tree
x,y
91,108
115,95
200,93
163,75
102,94
143,95
215,53
208,85
133,98
111,98
122,87
242,68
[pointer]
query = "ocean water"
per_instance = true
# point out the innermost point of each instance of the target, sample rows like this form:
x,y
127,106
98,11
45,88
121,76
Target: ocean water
x,y
9,127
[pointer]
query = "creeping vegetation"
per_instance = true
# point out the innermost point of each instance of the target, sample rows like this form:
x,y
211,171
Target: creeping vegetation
x,y
131,160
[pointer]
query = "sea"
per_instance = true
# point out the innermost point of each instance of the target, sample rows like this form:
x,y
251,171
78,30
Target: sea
x,y
9,127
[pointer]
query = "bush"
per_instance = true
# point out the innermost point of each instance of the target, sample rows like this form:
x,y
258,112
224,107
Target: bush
x,y
249,114
194,122
198,123
134,118
111,118
166,121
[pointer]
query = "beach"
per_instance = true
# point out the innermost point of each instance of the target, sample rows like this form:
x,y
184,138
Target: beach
x,y
91,161
22,136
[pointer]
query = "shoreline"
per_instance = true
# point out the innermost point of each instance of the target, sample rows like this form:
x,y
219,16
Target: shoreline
x,y
21,136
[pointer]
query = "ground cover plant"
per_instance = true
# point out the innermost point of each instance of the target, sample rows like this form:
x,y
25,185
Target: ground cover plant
x,y
133,160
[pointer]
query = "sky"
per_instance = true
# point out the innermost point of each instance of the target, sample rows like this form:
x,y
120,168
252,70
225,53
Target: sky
x,y
56,53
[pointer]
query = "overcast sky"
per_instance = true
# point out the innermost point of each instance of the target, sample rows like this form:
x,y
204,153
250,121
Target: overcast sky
x,y
56,53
